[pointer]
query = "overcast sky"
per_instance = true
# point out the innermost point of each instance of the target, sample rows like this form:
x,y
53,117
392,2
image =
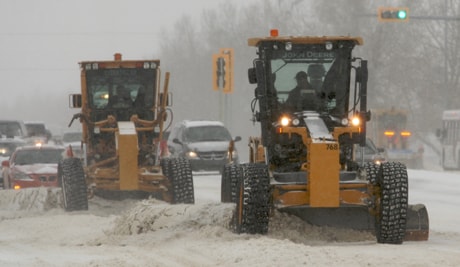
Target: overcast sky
x,y
42,41
50,34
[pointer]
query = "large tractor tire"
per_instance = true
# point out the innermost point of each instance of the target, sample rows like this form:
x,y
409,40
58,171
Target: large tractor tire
x,y
373,172
72,180
179,171
390,224
252,211
230,174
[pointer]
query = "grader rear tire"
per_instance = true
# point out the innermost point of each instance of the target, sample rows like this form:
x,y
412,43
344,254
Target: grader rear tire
x,y
72,180
179,171
229,180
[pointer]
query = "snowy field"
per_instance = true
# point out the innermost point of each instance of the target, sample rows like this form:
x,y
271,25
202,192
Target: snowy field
x,y
36,232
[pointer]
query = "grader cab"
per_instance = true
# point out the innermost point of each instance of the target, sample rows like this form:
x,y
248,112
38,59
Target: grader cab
x,y
304,163
123,117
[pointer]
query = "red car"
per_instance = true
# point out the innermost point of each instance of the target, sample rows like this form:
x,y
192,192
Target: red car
x,y
34,166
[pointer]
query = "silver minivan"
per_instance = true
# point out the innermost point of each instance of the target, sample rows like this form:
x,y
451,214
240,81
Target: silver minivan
x,y
205,143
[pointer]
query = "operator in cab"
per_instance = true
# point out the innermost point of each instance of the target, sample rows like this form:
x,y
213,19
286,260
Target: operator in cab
x,y
303,96
122,99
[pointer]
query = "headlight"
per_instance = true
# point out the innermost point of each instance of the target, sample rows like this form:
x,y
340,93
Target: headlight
x,y
149,65
284,121
296,122
192,154
355,121
329,46
344,122
288,46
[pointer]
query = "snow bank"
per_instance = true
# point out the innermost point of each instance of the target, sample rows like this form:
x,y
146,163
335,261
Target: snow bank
x,y
31,199
213,219
154,215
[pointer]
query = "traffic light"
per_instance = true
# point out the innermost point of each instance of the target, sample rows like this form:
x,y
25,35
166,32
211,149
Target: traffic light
x,y
217,71
227,54
223,70
393,14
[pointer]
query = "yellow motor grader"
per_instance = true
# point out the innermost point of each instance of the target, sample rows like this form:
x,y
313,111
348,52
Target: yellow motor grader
x,y
304,163
123,115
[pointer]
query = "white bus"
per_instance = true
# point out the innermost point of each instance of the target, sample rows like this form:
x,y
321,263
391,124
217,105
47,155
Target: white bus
x,y
450,139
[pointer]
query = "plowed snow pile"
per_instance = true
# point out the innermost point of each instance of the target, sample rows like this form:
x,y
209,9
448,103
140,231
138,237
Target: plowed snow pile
x,y
31,199
212,219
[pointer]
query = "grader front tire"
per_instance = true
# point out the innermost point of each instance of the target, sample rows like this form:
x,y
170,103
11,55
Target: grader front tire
x,y
73,184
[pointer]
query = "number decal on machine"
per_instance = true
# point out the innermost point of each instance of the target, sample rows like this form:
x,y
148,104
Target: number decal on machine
x,y
332,146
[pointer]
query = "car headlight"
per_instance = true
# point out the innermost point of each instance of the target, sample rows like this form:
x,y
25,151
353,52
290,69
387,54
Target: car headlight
x,y
192,155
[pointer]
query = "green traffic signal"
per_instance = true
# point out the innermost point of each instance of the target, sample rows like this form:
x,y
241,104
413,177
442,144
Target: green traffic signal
x,y
402,14
394,14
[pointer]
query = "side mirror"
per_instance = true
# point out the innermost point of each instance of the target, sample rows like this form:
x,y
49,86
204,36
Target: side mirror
x,y
75,101
252,76
237,138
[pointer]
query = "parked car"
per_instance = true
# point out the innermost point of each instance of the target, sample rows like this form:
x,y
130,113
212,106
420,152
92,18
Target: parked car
x,y
7,147
13,129
204,143
33,166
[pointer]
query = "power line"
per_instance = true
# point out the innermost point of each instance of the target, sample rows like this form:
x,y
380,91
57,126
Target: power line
x,y
77,33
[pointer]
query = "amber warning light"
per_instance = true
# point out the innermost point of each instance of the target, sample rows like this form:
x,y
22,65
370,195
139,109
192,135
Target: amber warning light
x,y
406,133
389,133
117,56
274,32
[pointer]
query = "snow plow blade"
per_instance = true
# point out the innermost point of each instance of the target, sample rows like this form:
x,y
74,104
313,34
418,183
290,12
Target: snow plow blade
x,y
359,218
418,224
